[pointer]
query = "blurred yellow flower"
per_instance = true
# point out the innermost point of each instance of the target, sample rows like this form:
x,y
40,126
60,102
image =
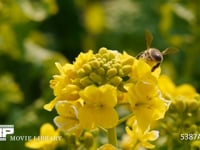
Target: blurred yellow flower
x,y
67,120
186,90
98,109
136,138
94,18
171,91
107,147
49,143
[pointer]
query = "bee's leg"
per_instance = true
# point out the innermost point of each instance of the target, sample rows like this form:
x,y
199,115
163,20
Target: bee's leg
x,y
154,67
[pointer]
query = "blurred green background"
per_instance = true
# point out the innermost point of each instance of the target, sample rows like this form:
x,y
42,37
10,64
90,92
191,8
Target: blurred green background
x,y
34,34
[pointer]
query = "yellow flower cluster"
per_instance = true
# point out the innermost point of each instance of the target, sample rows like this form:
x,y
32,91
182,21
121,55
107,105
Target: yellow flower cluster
x,y
88,92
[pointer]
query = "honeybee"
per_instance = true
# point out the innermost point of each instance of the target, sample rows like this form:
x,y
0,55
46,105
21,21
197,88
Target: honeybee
x,y
153,56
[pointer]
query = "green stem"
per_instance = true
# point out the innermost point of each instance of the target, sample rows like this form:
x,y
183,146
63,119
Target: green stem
x,y
125,118
112,136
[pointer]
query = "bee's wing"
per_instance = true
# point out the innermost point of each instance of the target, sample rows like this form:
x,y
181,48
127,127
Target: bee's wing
x,y
148,38
170,50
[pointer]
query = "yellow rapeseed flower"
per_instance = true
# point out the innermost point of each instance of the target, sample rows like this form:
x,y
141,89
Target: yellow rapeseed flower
x,y
49,143
136,138
146,102
68,120
105,67
62,85
88,91
98,109
171,91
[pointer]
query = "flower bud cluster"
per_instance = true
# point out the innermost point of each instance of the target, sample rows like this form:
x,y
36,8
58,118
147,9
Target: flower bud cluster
x,y
104,67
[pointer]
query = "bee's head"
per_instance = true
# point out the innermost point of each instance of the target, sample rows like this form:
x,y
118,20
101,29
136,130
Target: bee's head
x,y
155,55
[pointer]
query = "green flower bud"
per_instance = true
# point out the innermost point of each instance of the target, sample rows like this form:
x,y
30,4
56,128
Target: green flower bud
x,y
87,68
193,105
81,72
120,72
101,71
85,81
103,50
71,139
117,65
111,56
126,69
88,139
103,60
193,128
95,64
116,80
106,56
111,72
96,78
106,66
180,105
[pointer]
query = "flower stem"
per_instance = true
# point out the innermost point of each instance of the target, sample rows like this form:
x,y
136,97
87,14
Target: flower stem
x,y
125,118
112,136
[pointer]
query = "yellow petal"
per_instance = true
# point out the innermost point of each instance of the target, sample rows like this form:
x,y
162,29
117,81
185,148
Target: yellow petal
x,y
103,117
48,130
45,130
140,69
66,109
108,95
50,105
105,95
186,90
34,144
107,147
59,67
107,118
146,89
152,135
159,106
91,94
65,123
166,86
144,117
